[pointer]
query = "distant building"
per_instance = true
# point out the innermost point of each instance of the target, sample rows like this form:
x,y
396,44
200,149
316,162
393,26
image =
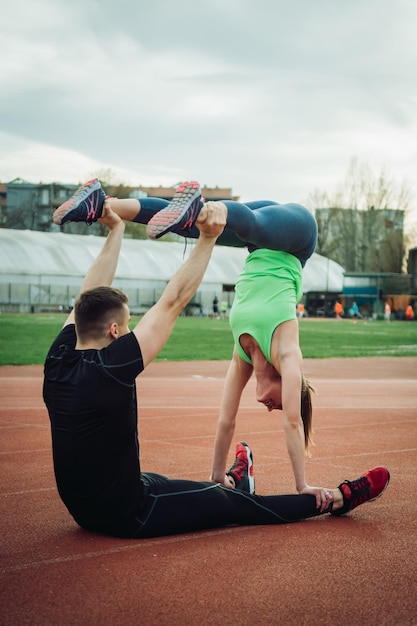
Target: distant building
x,y
3,195
25,205
371,290
43,271
412,268
362,241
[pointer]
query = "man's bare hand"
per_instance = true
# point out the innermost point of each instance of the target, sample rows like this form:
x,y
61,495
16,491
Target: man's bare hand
x,y
108,217
213,219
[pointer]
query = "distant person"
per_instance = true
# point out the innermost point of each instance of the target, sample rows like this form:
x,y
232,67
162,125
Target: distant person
x,y
409,313
89,390
300,310
387,312
355,310
223,309
338,309
216,306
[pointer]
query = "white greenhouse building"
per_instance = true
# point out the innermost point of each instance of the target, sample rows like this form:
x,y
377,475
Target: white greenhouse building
x,y
42,272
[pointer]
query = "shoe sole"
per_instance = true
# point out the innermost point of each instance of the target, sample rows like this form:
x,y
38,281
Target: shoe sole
x,y
164,221
74,202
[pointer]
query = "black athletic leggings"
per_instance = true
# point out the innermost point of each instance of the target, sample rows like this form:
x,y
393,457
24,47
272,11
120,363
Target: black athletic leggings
x,y
180,506
259,224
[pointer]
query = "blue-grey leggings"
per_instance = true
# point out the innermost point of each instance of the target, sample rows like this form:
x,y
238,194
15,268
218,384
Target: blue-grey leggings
x,y
179,506
260,224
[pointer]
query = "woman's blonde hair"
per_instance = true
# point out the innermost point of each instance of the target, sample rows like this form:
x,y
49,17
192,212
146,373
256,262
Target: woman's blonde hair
x,y
307,413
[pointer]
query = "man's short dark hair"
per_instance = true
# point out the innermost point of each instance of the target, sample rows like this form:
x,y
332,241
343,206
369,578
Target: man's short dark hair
x,y
96,308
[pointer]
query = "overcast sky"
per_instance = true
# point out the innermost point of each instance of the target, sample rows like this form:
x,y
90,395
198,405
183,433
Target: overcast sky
x,y
272,98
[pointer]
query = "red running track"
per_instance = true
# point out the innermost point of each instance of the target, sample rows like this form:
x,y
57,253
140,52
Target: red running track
x,y
359,569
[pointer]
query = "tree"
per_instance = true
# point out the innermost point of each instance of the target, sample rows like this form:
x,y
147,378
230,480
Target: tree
x,y
361,224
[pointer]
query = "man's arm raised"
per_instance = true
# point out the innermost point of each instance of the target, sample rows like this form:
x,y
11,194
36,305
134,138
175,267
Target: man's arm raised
x,y
103,269
153,330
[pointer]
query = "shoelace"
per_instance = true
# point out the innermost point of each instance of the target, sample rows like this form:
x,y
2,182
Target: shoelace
x,y
239,468
360,490
92,205
190,221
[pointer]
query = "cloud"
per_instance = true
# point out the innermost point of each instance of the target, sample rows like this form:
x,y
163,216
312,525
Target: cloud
x,y
272,98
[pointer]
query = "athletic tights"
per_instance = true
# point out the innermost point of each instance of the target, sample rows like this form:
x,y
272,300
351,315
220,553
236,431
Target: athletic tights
x,y
179,506
261,224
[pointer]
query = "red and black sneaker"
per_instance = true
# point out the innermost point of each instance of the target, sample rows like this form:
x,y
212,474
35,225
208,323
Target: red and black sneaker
x,y
86,205
242,469
181,213
364,489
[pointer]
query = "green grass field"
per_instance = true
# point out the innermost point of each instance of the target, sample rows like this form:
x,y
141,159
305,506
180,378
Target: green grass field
x,y
25,339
